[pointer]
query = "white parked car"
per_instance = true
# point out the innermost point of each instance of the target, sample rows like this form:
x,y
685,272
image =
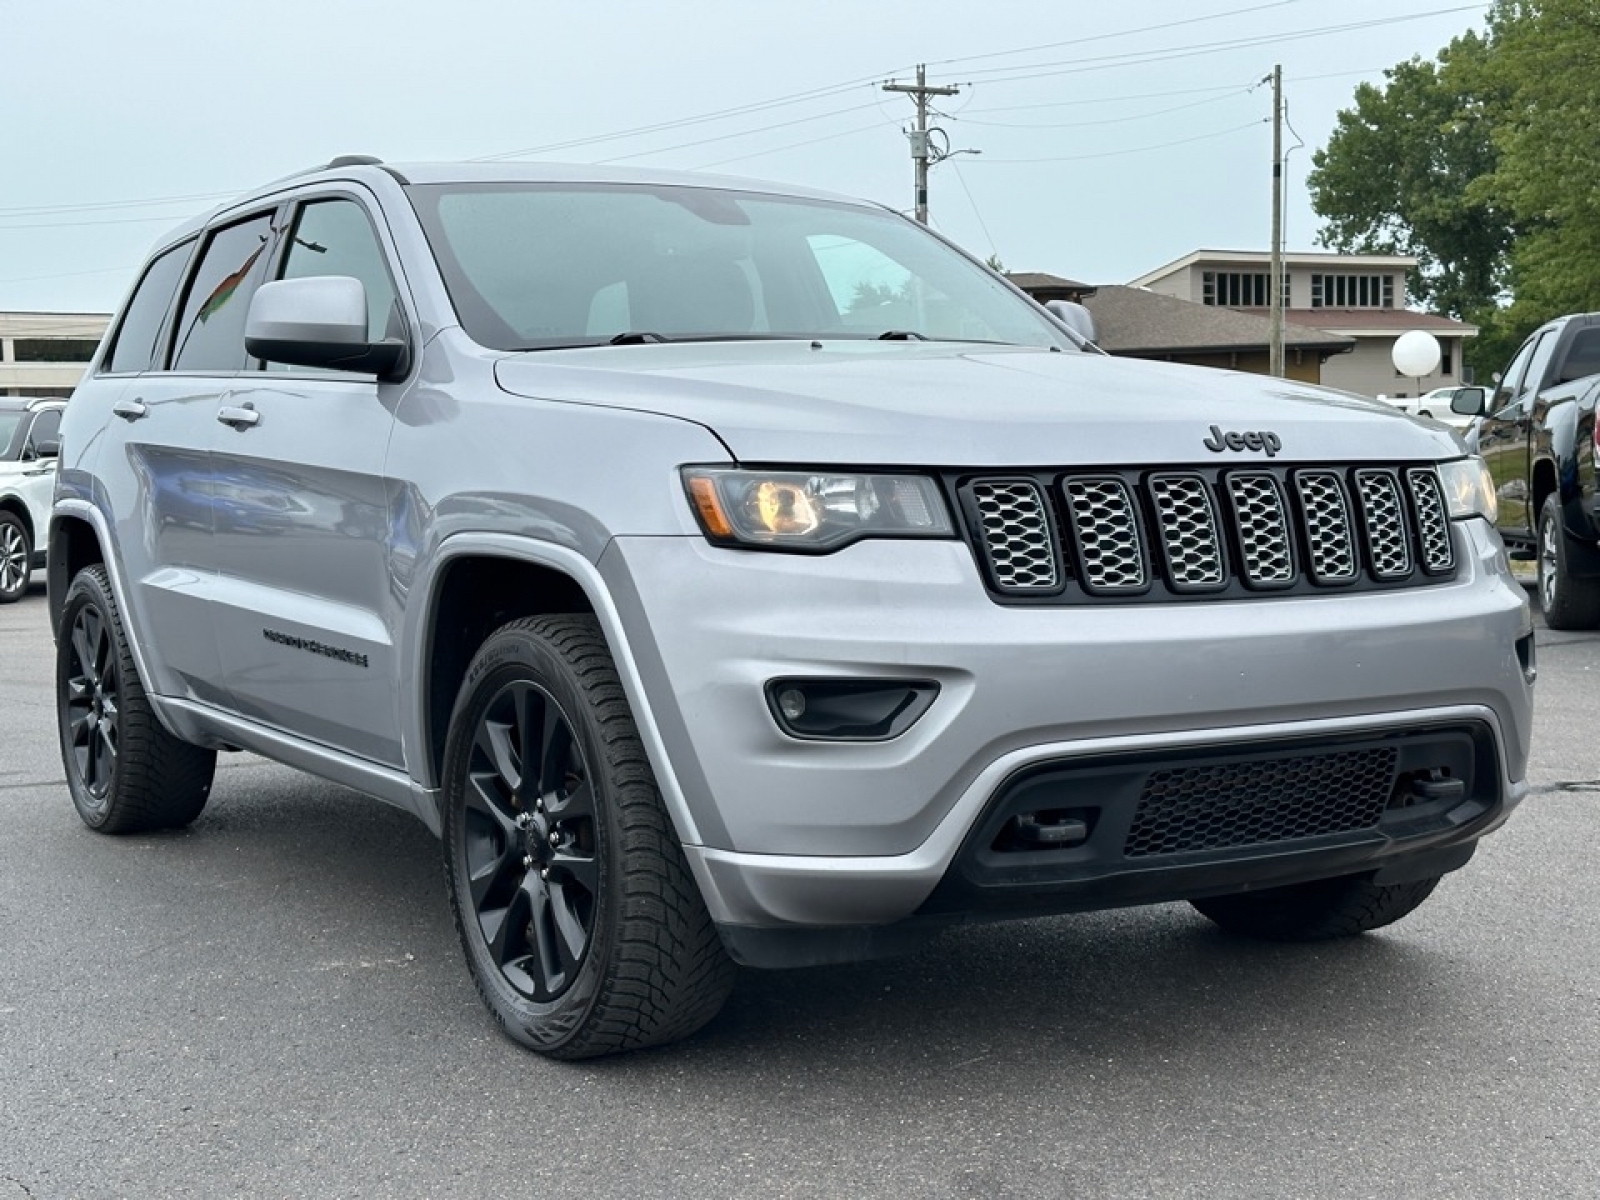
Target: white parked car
x,y
1456,407
28,447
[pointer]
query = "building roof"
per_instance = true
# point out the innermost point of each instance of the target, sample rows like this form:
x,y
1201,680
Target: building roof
x,y
1376,321
1131,320
1263,258
1039,281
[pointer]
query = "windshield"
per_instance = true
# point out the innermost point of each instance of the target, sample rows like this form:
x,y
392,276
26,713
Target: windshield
x,y
538,266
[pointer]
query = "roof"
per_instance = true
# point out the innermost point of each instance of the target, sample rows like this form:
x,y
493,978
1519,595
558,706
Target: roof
x,y
1263,258
1131,320
1377,321
1039,281
29,403
357,168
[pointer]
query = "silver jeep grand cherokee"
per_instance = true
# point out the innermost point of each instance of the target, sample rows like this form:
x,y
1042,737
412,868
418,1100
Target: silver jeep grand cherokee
x,y
733,574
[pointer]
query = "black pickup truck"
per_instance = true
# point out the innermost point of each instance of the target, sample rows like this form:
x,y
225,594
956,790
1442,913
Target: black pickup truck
x,y
1538,436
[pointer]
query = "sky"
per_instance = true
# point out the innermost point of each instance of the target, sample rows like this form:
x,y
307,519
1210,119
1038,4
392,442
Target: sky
x,y
1114,138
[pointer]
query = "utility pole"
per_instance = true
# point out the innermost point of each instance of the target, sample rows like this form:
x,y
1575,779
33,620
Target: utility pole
x,y
919,136
1275,289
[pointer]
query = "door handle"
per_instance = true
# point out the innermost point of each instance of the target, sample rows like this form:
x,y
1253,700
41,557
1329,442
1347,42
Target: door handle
x,y
130,410
240,418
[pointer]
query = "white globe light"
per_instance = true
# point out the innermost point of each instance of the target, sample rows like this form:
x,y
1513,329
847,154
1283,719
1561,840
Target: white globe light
x,y
1416,353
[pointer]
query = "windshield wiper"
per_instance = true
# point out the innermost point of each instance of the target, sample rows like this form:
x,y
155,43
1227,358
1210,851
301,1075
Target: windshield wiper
x,y
637,338
901,335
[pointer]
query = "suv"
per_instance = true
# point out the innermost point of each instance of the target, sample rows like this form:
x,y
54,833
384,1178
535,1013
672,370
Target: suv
x,y
734,574
28,447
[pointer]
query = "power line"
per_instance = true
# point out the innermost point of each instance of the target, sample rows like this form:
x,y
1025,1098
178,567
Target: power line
x,y
1160,112
1102,37
723,137
1131,150
1075,66
827,137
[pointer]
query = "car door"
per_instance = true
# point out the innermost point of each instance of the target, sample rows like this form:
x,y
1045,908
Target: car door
x,y
1505,434
153,475
304,613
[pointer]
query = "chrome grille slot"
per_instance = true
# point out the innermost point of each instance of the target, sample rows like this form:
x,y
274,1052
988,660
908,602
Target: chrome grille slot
x,y
1263,529
1330,527
1433,523
1016,536
1190,538
1383,512
1107,532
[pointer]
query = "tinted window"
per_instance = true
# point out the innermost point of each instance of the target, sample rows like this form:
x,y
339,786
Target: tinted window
x,y
334,237
10,430
211,330
141,323
46,427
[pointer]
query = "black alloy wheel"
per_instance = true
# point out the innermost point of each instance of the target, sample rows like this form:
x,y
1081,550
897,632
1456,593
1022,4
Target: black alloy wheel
x,y
91,702
126,773
530,842
581,922
16,558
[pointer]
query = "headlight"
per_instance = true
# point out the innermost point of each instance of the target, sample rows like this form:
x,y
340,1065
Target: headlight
x,y
1469,489
806,510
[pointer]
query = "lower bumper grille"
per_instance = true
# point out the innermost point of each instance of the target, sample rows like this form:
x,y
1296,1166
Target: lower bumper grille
x,y
1254,803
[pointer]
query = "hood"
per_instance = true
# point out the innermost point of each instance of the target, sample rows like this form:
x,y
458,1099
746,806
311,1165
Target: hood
x,y
948,405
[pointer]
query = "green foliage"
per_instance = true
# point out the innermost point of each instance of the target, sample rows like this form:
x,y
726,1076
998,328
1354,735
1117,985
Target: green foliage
x,y
1486,166
994,264
1398,176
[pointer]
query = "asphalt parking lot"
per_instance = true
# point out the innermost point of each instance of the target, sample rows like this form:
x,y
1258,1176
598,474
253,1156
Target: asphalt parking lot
x,y
272,1003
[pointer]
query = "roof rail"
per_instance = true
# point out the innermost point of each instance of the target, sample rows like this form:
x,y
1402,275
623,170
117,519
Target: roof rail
x,y
354,160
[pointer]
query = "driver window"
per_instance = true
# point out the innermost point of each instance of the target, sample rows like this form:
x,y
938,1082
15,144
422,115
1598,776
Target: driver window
x,y
334,237
1510,388
46,428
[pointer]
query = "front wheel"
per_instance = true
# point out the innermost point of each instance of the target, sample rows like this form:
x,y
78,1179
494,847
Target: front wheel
x,y
16,557
1316,911
582,925
1568,603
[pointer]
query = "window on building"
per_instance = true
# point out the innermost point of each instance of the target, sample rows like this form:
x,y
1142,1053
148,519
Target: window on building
x,y
55,349
1352,291
1446,359
1240,289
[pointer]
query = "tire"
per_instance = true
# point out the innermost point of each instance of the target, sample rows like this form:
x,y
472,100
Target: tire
x,y
1568,603
582,925
1316,911
16,558
126,773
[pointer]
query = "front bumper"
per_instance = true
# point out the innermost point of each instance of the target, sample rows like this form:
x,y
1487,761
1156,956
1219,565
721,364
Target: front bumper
x,y
796,833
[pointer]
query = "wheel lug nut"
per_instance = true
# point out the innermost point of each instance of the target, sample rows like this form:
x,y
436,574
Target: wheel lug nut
x,y
544,872
555,838
527,861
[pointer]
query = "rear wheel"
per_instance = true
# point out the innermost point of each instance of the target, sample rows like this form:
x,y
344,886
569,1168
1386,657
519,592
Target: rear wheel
x,y
126,773
16,557
582,925
1316,911
1568,603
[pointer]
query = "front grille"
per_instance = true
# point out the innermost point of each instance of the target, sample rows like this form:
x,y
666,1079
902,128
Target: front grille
x,y
1119,535
1253,803
1107,535
1016,536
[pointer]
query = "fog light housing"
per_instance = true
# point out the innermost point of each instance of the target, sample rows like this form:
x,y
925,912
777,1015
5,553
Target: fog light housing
x,y
848,710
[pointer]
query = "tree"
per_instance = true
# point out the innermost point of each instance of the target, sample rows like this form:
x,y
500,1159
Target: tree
x,y
1401,175
1546,69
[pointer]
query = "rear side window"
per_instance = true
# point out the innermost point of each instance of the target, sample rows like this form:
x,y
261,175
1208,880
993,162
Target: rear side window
x,y
135,347
211,330
46,427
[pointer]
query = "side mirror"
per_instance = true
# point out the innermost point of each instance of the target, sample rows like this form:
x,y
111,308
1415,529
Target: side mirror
x,y
1075,317
48,448
320,321
1468,402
